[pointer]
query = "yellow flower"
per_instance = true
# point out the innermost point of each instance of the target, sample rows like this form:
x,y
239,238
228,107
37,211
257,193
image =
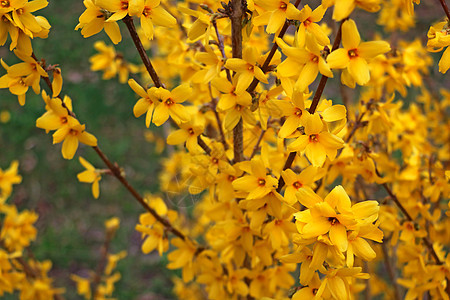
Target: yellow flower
x,y
90,175
93,20
7,178
18,228
276,13
150,12
295,113
24,19
83,286
317,142
294,183
56,115
188,133
309,58
235,103
354,55
246,69
309,19
343,8
169,105
438,38
258,183
146,104
72,133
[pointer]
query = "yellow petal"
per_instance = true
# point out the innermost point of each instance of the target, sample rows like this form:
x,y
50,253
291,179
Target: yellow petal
x,y
69,147
316,154
334,113
87,139
113,31
338,236
177,137
444,63
350,35
369,50
359,70
338,59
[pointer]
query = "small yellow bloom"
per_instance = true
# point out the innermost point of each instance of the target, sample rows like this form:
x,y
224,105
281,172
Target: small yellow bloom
x,y
354,55
71,134
317,142
90,175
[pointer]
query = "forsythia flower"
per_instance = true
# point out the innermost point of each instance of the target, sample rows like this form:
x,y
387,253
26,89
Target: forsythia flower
x,y
71,134
93,20
317,142
90,175
353,57
150,12
7,178
438,38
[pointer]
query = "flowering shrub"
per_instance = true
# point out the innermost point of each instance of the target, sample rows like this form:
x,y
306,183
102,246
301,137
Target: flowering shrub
x,y
299,196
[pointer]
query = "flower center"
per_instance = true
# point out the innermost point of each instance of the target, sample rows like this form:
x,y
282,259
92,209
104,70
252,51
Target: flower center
x,y
147,11
313,138
352,53
124,5
283,6
231,178
297,185
5,3
333,220
191,131
261,182
298,112
169,102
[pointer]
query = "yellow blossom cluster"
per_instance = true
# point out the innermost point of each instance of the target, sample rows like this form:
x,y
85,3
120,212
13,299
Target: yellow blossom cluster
x,y
276,186
20,272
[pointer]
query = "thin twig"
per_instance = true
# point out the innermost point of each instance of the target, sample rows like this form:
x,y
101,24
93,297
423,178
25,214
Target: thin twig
x,y
221,47
445,7
312,109
202,144
265,66
255,149
287,165
323,78
397,202
236,16
216,114
118,174
137,42
390,270
101,264
30,272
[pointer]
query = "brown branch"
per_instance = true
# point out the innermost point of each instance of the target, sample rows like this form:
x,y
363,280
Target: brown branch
x,y
265,66
216,114
137,42
323,78
255,149
101,263
390,270
118,174
397,202
287,165
202,144
221,47
445,7
237,12
30,272
312,109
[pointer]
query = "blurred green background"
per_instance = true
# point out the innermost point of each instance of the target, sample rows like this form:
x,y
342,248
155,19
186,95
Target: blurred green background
x,y
71,221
